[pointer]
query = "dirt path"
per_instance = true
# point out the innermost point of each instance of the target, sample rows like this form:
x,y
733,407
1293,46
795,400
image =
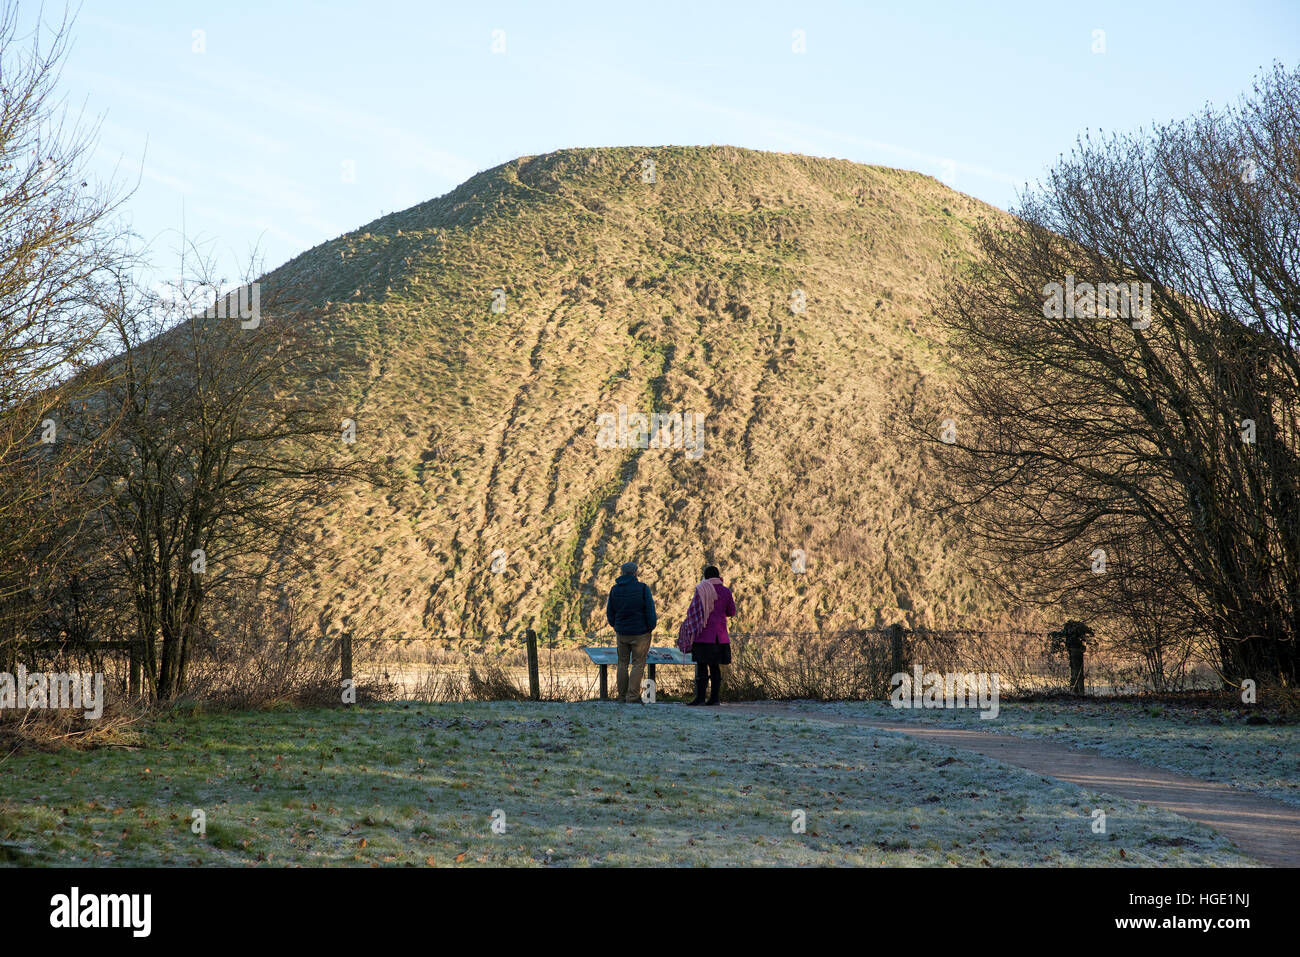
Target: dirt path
x,y
1267,830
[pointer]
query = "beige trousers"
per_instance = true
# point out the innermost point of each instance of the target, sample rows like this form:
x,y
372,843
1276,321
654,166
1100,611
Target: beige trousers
x,y
635,647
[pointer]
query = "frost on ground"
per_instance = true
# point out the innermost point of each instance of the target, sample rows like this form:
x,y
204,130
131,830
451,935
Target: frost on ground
x,y
1207,743
566,784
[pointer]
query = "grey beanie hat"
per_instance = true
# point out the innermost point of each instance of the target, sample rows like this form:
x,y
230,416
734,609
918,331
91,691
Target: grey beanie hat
x,y
629,568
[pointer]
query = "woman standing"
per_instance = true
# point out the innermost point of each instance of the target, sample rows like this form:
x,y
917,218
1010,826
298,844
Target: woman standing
x,y
703,634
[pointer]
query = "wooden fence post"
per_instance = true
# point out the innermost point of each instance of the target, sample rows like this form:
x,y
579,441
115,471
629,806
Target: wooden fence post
x,y
345,655
534,682
896,647
136,652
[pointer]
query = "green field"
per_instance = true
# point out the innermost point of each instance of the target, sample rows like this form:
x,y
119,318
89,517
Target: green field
x,y
574,785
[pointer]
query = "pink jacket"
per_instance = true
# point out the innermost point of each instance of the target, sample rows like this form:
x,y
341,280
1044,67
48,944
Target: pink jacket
x,y
715,627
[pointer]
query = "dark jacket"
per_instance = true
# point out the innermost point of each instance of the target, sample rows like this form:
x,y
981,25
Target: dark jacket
x,y
631,609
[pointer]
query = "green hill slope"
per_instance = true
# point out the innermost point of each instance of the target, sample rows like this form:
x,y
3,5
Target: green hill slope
x,y
678,295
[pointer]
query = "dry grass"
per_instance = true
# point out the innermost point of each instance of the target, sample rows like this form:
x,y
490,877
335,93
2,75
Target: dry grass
x,y
51,730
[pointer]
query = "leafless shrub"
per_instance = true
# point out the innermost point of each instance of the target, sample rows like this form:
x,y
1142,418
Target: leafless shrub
x,y
263,655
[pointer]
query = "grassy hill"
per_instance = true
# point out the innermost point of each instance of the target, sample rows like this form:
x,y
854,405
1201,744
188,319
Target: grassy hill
x,y
677,295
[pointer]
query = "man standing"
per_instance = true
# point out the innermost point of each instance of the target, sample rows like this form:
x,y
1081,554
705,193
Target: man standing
x,y
630,611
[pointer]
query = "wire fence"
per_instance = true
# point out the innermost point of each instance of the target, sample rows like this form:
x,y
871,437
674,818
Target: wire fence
x,y
842,664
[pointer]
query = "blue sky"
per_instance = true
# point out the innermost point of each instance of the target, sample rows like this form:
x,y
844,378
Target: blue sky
x,y
283,124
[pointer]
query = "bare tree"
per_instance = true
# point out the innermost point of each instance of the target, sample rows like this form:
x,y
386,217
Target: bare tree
x,y
228,416
62,254
1124,426
152,452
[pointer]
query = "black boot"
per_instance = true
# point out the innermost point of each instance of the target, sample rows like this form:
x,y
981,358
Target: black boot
x,y
717,690
699,692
